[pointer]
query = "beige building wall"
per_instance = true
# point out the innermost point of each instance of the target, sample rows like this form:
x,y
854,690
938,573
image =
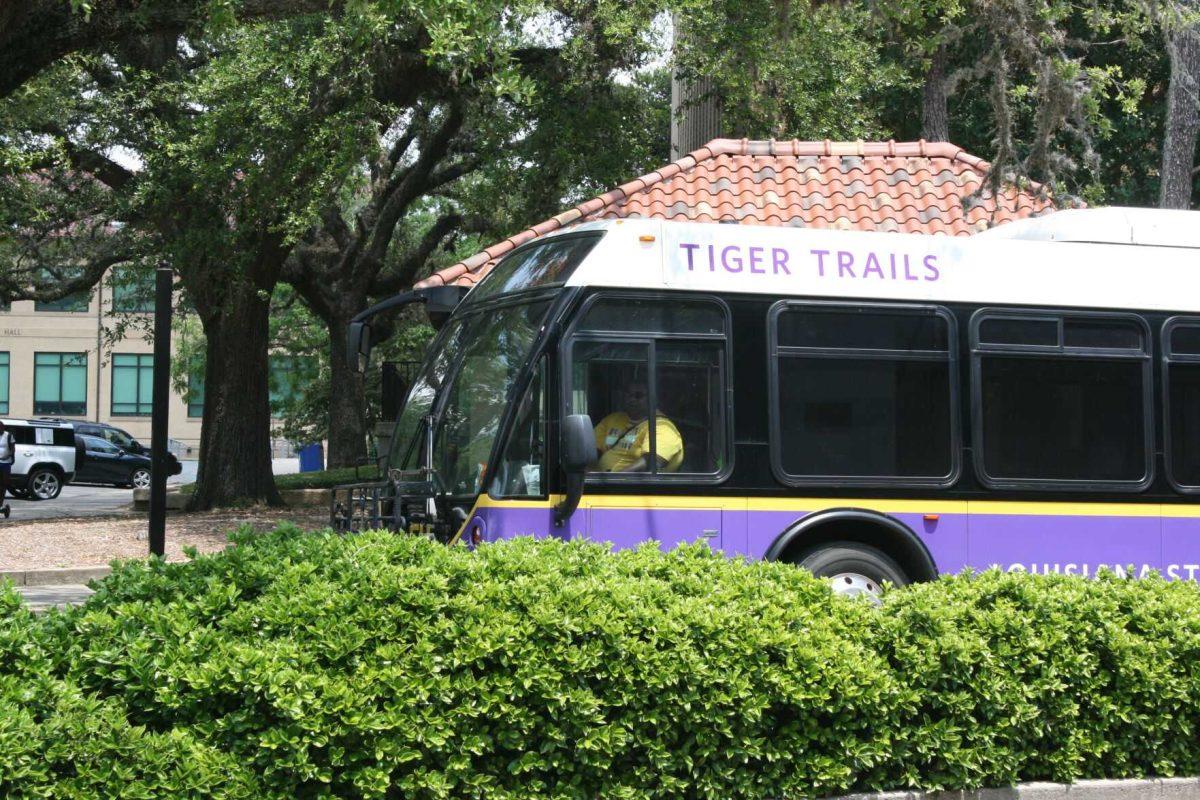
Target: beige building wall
x,y
25,332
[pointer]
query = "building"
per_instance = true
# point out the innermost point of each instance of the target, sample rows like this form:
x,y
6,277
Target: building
x,y
60,359
910,187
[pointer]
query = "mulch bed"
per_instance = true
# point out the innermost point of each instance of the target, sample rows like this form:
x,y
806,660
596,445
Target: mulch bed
x,y
95,541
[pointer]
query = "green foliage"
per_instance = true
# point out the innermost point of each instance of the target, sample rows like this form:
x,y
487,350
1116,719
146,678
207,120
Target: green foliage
x,y
783,70
1021,677
299,665
323,479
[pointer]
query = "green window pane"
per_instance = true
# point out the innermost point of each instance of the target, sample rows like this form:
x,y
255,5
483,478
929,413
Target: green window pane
x,y
146,385
124,385
47,385
74,384
195,399
4,364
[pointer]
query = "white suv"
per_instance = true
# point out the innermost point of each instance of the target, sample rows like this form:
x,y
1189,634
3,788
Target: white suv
x,y
45,457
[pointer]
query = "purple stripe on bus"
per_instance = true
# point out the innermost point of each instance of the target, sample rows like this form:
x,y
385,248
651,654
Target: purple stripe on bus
x,y
1033,543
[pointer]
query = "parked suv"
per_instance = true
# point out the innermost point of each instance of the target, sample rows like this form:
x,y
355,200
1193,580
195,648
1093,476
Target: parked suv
x,y
120,438
46,457
106,463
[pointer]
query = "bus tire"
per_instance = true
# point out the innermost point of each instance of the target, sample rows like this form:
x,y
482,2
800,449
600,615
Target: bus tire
x,y
853,569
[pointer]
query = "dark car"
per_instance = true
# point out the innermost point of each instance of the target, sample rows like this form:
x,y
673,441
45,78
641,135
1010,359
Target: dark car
x,y
107,463
122,439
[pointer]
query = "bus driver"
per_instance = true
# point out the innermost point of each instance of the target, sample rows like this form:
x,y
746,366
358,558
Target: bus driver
x,y
623,437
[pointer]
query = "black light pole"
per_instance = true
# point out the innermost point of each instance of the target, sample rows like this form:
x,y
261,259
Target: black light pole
x,y
164,278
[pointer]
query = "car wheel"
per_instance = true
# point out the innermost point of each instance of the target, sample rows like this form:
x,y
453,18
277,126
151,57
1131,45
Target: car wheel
x,y
44,484
854,570
140,478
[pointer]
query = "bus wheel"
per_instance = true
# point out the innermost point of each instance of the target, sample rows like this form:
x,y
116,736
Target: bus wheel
x,y
853,570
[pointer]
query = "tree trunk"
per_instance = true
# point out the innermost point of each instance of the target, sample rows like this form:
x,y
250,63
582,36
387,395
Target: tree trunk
x,y
935,118
347,401
1183,118
235,440
695,110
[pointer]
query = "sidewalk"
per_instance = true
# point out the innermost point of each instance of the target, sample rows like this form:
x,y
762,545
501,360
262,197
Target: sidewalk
x,y
40,598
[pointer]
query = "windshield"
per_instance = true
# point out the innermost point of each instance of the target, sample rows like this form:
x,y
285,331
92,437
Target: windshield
x,y
481,355
404,452
542,265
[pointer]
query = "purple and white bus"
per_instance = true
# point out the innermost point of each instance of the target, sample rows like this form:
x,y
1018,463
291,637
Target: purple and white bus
x,y
872,406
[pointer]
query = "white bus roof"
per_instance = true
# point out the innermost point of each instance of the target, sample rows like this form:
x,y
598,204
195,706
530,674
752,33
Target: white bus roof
x,y
1096,258
1114,225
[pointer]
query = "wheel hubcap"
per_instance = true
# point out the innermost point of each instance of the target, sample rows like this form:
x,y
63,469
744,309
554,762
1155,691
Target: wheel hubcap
x,y
45,485
852,584
141,479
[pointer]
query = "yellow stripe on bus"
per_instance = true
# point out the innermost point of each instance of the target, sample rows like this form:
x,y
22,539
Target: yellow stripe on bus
x,y
884,505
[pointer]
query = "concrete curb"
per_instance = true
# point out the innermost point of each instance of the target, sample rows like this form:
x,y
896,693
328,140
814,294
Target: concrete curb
x,y
176,501
55,577
1156,788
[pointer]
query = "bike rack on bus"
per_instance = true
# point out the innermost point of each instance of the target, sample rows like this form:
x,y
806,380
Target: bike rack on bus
x,y
358,507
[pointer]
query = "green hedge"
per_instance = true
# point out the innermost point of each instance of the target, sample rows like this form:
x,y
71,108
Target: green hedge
x,y
299,665
322,479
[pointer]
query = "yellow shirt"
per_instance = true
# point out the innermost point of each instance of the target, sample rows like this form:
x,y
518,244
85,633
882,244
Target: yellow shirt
x,y
621,443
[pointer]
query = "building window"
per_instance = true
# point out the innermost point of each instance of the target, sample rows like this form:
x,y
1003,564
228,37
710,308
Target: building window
x,y
132,385
72,302
4,383
863,395
634,359
195,394
1063,400
60,384
288,377
132,290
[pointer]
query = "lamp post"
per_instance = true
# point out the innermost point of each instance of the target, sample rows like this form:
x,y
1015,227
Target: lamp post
x,y
163,281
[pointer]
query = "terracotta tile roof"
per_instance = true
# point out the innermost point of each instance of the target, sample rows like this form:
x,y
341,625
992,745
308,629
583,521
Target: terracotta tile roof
x,y
915,187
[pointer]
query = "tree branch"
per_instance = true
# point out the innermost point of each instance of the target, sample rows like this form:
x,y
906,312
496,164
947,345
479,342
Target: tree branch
x,y
36,33
406,268
401,194
27,285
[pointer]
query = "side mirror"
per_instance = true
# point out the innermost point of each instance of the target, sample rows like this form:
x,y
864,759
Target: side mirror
x,y
358,345
579,443
441,301
578,452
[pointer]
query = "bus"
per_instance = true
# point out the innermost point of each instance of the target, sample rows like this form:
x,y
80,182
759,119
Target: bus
x,y
875,407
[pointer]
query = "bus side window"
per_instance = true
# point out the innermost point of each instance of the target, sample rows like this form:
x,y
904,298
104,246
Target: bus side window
x,y
863,394
1181,346
1071,410
639,359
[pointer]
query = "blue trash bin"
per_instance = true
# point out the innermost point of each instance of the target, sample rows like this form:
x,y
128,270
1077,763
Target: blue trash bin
x,y
312,458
